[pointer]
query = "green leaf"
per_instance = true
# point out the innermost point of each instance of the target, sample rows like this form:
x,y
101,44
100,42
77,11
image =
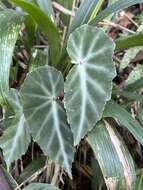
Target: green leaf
x,y
6,3
32,168
46,116
16,138
40,186
10,23
29,36
96,10
135,75
2,6
46,6
129,55
129,41
117,6
130,95
83,14
97,176
111,2
138,84
139,181
124,119
39,58
45,23
140,115
89,83
114,159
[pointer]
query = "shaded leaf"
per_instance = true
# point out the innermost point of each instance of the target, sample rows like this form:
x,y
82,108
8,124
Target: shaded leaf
x,y
32,168
89,83
16,137
45,23
139,181
114,159
4,185
97,179
40,186
46,116
140,115
131,53
135,75
129,56
2,6
138,84
9,178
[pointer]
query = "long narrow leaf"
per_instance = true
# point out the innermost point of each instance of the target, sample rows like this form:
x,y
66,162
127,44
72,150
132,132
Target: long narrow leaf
x,y
32,168
117,6
135,75
135,86
130,95
10,24
83,14
46,25
46,6
96,10
114,159
124,119
129,56
130,41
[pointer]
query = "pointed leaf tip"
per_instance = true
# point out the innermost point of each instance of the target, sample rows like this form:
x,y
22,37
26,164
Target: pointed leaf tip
x,y
89,83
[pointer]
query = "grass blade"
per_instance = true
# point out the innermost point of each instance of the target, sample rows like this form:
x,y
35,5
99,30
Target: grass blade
x,y
46,25
114,159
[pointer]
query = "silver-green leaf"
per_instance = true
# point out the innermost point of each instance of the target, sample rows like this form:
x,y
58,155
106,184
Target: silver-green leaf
x,y
89,83
16,138
46,116
10,24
